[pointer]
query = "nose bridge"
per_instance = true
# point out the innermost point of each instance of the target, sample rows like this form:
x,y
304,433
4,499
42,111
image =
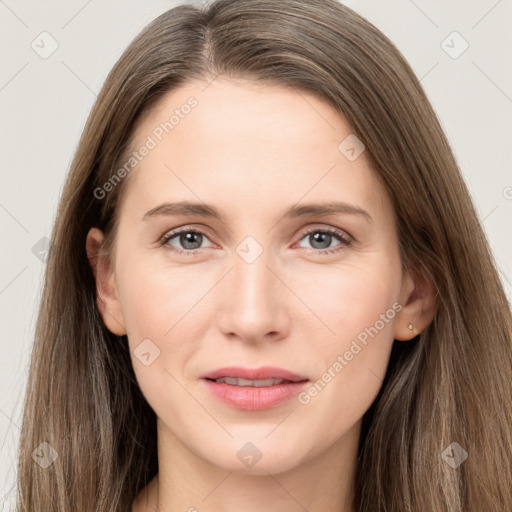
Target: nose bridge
x,y
251,307
252,280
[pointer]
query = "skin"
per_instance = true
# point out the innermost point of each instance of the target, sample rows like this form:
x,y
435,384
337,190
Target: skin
x,y
253,151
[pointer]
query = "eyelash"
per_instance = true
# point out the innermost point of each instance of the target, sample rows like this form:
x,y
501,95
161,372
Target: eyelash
x,y
345,240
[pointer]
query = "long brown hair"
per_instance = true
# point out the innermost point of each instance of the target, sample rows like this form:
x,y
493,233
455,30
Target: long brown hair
x,y
452,383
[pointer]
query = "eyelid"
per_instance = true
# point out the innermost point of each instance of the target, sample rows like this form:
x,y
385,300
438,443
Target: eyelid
x,y
186,228
330,229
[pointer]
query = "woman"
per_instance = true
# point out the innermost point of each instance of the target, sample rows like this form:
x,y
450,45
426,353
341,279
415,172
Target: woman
x,y
268,287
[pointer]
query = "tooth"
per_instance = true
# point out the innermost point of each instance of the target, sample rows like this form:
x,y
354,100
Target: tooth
x,y
234,381
245,382
263,383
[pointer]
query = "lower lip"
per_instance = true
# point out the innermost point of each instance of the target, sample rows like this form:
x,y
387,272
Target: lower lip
x,y
252,398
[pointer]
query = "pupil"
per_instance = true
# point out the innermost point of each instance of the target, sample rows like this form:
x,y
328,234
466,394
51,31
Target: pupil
x,y
188,238
321,238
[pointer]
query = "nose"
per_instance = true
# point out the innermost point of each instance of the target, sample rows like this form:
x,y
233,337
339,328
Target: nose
x,y
254,302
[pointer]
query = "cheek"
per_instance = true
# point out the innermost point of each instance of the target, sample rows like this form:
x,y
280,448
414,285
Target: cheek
x,y
158,308
348,298
155,297
172,307
358,303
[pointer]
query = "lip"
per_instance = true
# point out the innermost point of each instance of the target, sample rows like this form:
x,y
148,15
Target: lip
x,y
265,372
251,398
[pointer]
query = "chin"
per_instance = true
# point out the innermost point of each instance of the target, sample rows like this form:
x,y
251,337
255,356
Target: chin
x,y
256,458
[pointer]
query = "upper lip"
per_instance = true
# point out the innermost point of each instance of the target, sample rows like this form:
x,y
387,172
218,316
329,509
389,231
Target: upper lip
x,y
265,372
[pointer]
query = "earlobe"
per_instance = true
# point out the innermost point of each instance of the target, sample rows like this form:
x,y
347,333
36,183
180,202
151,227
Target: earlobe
x,y
419,303
106,290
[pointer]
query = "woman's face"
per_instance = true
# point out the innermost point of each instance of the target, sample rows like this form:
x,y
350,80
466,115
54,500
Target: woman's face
x,y
264,274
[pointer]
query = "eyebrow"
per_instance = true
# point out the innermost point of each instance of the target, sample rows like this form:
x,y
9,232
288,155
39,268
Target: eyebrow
x,y
184,208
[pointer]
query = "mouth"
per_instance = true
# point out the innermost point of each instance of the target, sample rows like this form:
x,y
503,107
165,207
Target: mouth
x,y
254,389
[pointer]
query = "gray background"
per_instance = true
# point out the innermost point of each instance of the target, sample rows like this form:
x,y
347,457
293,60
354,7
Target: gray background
x,y
44,103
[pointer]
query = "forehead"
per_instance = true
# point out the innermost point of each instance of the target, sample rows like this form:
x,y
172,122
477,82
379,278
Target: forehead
x,y
234,140
245,114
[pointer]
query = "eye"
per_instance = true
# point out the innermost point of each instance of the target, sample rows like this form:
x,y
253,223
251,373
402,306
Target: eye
x,y
321,239
189,239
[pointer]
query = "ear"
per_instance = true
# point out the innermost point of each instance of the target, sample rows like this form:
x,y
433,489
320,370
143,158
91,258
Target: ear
x,y
107,297
419,303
